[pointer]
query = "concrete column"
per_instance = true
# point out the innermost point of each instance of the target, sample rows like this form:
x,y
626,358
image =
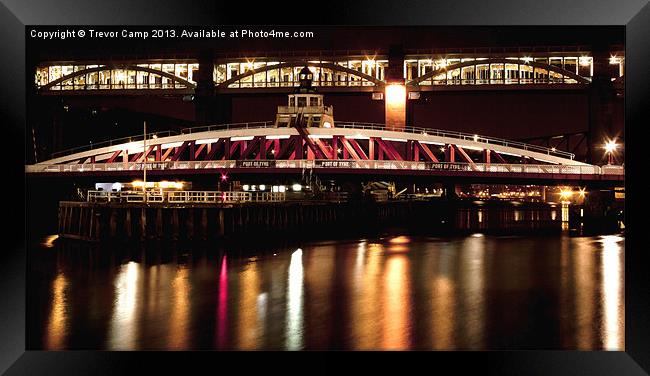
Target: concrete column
x,y
395,93
204,95
601,104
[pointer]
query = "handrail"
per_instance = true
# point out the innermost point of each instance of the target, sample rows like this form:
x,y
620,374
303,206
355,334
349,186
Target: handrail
x,y
335,164
382,127
184,197
116,141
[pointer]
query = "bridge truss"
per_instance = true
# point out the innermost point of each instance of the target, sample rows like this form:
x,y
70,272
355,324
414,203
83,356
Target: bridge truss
x,y
349,147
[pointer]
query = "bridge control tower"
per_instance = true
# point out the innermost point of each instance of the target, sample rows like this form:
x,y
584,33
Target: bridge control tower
x,y
306,108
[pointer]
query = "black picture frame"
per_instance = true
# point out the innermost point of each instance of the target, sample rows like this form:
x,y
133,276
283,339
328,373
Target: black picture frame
x,y
16,14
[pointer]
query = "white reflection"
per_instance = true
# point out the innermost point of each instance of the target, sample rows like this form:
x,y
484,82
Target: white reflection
x,y
262,302
293,333
611,269
123,328
473,258
361,253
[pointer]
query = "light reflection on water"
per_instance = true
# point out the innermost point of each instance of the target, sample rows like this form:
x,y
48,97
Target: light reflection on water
x,y
476,292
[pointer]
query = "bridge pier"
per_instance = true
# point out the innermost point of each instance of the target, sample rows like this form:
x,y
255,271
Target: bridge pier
x,y
174,224
600,212
143,223
451,190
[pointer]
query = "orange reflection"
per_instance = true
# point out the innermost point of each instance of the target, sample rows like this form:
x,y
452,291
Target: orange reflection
x,y
584,292
180,310
248,318
318,284
57,325
396,331
400,240
366,313
49,241
443,301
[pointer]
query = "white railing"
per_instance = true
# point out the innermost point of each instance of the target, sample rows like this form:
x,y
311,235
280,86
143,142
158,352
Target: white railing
x,y
331,164
186,197
340,124
412,130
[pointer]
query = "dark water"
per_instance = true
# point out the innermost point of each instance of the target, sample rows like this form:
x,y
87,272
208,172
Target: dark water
x,y
395,292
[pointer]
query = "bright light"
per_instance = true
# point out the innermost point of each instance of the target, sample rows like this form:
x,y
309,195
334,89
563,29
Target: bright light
x,y
262,187
206,141
475,138
552,149
395,94
582,192
611,146
49,241
442,149
400,240
566,194
338,150
527,59
245,187
170,145
241,138
224,177
327,124
282,189
585,60
154,136
296,187
614,60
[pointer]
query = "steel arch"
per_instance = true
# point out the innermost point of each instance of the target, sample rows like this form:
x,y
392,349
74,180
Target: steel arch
x,y
334,67
123,67
448,68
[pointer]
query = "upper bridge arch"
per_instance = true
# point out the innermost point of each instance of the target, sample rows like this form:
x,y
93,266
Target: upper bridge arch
x,y
130,67
548,67
299,64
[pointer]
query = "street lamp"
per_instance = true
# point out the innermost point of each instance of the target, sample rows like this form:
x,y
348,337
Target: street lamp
x,y
144,168
610,148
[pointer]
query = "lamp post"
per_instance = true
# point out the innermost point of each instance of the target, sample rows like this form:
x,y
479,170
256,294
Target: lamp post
x,y
144,169
610,148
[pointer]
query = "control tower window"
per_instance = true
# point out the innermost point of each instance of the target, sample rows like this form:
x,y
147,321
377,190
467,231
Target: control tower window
x,y
313,101
292,101
302,102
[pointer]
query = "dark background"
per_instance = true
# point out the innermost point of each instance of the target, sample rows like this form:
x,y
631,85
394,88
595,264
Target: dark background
x,y
17,13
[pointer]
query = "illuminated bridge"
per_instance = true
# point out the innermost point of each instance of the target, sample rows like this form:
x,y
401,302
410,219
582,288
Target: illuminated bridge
x,y
348,148
349,73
